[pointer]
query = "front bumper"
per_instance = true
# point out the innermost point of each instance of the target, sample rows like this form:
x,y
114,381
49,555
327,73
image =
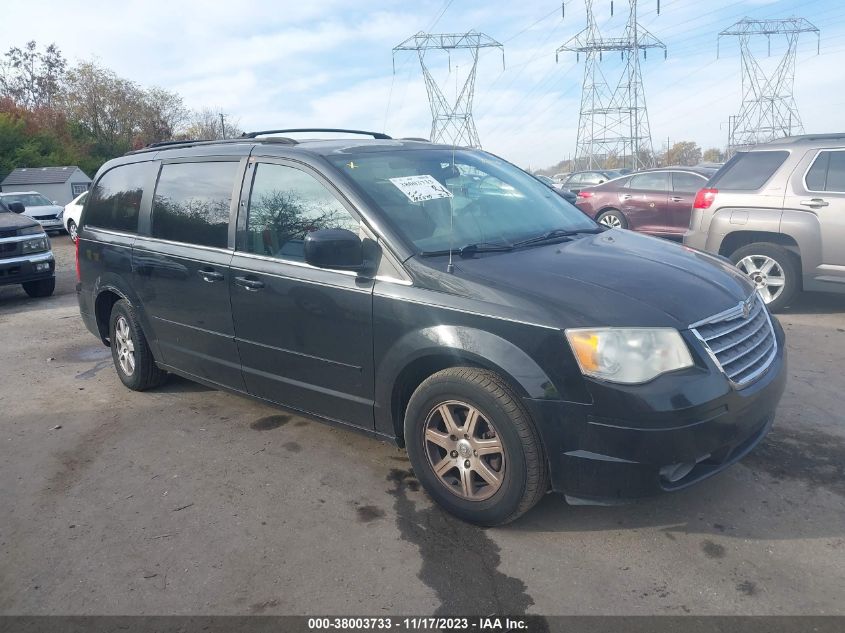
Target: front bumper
x,y
624,446
18,270
51,224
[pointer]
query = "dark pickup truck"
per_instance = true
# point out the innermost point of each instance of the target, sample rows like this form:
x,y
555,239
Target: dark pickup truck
x,y
25,255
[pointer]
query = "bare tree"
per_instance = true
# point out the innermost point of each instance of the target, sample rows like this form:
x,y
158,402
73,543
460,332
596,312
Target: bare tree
x,y
32,79
206,124
160,117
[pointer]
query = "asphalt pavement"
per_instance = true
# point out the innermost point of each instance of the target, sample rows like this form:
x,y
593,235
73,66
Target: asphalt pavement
x,y
186,500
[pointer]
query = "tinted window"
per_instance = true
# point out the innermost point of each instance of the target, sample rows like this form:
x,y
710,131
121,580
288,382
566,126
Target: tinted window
x,y
115,200
748,171
817,174
836,172
192,201
284,205
651,181
827,172
686,182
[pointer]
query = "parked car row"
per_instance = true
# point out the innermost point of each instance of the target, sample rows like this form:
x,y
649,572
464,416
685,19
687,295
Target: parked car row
x,y
46,212
777,211
654,201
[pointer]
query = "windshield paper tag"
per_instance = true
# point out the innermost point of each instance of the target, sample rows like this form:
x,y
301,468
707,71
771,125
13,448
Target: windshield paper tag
x,y
421,188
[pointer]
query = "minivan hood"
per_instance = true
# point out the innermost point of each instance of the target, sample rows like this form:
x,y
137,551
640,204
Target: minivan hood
x,y
614,278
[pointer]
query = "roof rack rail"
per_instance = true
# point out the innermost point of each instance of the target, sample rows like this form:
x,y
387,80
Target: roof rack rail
x,y
833,136
192,143
376,135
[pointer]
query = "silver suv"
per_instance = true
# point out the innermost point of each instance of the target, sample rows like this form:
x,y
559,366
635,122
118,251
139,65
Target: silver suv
x,y
778,212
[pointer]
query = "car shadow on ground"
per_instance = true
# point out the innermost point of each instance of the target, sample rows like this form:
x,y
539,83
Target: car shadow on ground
x,y
816,303
177,384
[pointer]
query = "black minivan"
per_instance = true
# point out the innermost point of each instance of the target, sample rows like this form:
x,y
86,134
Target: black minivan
x,y
435,297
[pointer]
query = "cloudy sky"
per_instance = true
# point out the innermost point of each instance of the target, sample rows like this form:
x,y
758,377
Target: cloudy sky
x,y
328,62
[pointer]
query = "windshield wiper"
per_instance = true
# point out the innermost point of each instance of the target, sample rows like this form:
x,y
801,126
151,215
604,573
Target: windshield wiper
x,y
556,234
468,250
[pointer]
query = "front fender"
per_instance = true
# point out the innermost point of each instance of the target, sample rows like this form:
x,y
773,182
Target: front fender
x,y
457,344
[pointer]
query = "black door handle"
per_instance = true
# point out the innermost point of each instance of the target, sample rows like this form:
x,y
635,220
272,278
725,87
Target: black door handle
x,y
249,284
210,275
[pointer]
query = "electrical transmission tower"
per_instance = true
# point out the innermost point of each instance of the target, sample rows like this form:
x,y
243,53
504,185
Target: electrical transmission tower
x,y
613,123
451,122
768,107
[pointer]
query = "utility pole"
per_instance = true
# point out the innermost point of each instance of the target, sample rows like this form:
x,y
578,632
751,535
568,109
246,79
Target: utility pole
x,y
613,122
451,122
222,126
768,109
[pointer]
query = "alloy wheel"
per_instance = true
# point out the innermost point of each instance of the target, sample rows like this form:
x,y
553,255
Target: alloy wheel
x,y
464,450
125,346
611,220
766,274
71,229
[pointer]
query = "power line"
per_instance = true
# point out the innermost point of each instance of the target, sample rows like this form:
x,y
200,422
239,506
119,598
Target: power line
x,y
613,121
768,108
451,122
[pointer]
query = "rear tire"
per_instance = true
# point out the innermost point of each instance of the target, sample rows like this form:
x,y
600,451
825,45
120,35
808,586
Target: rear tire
x,y
613,219
71,230
40,288
507,473
775,272
130,352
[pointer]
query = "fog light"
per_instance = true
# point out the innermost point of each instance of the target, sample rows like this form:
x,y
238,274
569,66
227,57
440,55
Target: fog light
x,y
41,267
676,472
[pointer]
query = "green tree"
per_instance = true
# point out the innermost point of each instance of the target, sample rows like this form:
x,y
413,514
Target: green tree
x,y
713,155
684,153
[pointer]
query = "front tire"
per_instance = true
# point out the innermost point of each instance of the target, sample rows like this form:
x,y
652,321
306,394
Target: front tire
x,y
773,270
40,288
613,219
130,352
474,447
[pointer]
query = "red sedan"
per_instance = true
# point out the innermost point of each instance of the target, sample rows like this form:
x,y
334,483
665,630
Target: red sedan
x,y
655,201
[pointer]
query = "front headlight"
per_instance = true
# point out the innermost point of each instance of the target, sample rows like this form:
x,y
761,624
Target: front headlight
x,y
628,355
34,246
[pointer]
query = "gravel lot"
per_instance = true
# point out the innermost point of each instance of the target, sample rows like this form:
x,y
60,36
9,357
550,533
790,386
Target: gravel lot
x,y
187,500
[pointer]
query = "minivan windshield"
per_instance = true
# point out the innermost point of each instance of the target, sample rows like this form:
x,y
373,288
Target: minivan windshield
x,y
444,198
28,200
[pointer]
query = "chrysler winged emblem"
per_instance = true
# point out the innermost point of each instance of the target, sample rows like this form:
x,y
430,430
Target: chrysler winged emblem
x,y
746,307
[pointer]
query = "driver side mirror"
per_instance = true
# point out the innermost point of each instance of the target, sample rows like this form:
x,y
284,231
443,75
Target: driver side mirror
x,y
334,248
16,207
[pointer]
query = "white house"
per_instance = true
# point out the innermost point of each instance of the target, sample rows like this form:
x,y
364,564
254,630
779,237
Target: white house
x,y
61,184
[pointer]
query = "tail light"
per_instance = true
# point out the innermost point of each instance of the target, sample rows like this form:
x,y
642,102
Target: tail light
x,y
585,194
78,275
704,198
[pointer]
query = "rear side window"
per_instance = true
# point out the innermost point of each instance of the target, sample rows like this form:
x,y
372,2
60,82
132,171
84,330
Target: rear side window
x,y
191,202
115,200
652,181
685,182
748,171
285,204
827,173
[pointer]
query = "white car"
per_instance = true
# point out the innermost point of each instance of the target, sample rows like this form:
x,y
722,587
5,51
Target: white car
x,y
73,210
48,214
